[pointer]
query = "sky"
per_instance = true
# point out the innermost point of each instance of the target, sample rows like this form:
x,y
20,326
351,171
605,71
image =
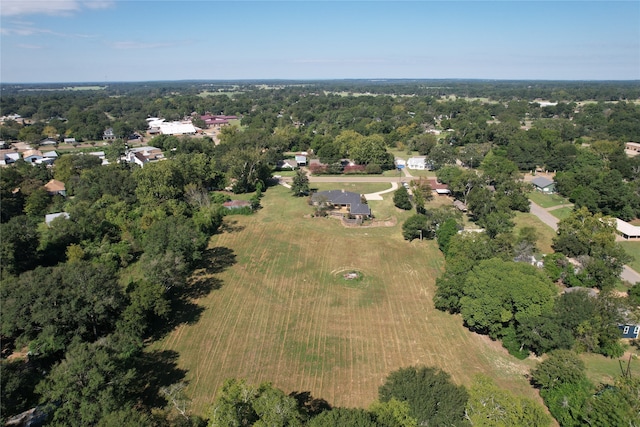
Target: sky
x,y
148,40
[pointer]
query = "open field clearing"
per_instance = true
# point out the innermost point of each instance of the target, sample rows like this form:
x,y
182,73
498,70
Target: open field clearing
x,y
544,233
286,314
633,249
548,200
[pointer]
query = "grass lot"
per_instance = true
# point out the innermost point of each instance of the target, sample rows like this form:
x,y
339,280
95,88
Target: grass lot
x,y
547,200
355,187
633,249
561,213
543,231
285,314
602,369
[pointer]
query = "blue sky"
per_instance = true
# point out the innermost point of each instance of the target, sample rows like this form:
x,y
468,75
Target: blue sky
x,y
123,40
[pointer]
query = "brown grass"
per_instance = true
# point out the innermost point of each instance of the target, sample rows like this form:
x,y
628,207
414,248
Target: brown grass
x,y
284,313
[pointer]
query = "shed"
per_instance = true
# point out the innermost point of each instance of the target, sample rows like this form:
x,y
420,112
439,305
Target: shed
x,y
301,160
544,184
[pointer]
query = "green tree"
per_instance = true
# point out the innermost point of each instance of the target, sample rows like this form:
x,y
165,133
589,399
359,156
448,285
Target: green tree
x,y
416,227
561,367
501,293
240,404
591,237
91,382
344,417
433,399
300,184
445,232
393,413
489,405
401,199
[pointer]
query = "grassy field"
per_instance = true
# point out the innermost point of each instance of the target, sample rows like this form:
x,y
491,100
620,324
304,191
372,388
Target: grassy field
x,y
561,213
285,314
548,200
544,233
633,249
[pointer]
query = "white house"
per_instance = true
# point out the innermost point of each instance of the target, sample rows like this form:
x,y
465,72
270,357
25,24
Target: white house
x,y
418,163
627,231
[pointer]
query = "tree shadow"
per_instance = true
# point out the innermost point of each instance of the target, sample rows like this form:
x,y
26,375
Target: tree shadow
x,y
309,405
230,226
201,282
156,369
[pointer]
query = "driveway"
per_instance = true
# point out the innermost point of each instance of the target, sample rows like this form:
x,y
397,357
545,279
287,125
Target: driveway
x,y
628,274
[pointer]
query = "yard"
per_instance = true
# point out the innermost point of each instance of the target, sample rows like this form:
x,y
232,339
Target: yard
x,y
633,249
285,313
547,200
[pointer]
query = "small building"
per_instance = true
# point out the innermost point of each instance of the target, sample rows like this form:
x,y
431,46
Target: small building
x,y
417,163
632,146
626,230
440,188
287,164
108,135
629,331
54,187
31,156
70,141
544,185
48,141
301,160
458,204
9,158
50,217
353,203
143,155
400,163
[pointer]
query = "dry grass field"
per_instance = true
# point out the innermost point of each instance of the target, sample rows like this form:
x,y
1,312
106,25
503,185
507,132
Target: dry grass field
x,y
286,314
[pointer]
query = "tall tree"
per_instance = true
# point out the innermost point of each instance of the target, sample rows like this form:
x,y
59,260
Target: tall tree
x,y
433,399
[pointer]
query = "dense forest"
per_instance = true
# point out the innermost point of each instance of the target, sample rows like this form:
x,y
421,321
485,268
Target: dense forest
x,y
79,311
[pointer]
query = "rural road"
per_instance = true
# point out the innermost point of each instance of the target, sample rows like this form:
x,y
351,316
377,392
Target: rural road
x,y
628,274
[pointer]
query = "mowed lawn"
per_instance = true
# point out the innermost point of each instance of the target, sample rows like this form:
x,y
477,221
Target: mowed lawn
x,y
285,314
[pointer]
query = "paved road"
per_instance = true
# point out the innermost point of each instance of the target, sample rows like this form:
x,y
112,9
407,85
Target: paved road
x,y
628,274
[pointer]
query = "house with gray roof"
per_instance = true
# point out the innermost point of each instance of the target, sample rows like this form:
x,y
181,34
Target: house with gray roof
x,y
353,203
544,185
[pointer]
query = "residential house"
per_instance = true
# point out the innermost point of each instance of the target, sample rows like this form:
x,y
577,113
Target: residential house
x,y
48,141
144,155
108,135
440,188
54,187
544,185
301,160
630,331
50,217
9,157
417,163
31,156
70,141
632,149
287,164
101,155
352,203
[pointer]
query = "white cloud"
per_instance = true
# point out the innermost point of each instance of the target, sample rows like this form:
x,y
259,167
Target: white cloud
x,y
29,46
140,45
23,28
50,7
